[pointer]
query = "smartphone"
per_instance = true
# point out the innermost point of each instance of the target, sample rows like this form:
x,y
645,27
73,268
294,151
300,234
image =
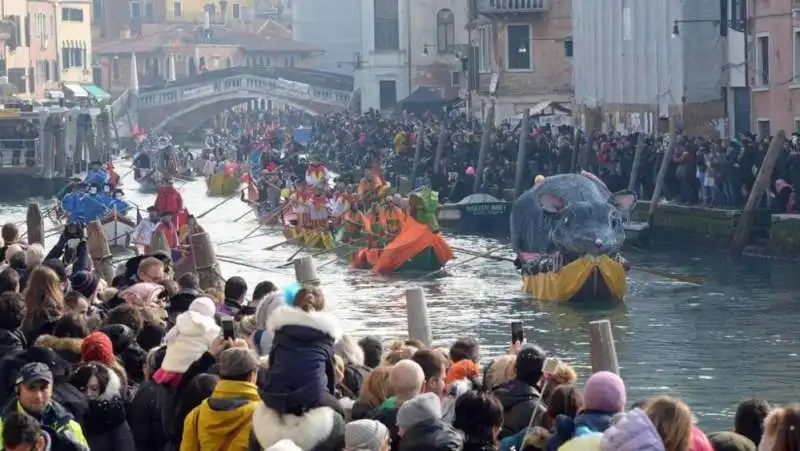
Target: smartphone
x,y
227,328
550,365
517,332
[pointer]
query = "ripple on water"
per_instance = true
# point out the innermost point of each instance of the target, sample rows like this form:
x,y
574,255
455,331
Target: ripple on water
x,y
713,345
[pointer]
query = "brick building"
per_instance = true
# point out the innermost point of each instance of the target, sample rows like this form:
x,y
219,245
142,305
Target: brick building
x,y
522,46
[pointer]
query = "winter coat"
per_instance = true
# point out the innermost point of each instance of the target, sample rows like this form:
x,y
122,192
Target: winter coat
x,y
519,401
635,432
12,340
388,416
586,423
106,424
318,429
431,435
68,349
193,336
55,418
145,415
224,421
301,365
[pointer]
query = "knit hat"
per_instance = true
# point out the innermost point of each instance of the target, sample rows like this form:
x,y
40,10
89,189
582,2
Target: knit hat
x,y
97,347
463,369
366,435
418,409
604,391
730,441
284,445
84,282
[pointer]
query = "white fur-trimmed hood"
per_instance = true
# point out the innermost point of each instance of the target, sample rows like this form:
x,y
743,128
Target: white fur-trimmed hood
x,y
307,431
114,386
286,315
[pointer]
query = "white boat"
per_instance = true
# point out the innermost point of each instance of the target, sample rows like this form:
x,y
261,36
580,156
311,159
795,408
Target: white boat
x,y
118,229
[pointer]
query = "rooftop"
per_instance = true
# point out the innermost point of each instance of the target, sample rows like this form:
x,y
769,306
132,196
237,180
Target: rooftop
x,y
269,38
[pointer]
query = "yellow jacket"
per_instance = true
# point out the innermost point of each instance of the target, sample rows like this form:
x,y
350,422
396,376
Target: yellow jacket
x,y
222,422
55,417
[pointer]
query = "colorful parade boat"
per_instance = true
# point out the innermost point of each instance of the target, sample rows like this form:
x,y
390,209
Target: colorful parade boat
x,y
417,246
567,232
315,239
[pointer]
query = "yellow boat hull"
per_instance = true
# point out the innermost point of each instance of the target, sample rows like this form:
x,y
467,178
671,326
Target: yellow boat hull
x,y
310,238
222,185
587,279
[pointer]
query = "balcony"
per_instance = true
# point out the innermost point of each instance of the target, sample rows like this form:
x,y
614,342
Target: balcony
x,y
511,7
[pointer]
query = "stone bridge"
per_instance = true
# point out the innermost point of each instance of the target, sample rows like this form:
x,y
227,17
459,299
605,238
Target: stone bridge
x,y
179,106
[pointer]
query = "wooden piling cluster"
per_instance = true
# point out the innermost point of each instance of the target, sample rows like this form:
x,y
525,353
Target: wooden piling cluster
x,y
100,251
35,224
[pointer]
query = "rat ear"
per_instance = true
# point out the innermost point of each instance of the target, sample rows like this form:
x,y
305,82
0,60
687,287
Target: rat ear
x,y
623,200
551,203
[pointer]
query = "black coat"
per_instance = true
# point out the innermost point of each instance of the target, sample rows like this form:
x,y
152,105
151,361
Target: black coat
x,y
145,416
12,340
301,366
388,416
431,435
519,401
106,427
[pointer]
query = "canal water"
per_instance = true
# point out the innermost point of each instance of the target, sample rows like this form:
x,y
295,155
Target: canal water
x,y
732,338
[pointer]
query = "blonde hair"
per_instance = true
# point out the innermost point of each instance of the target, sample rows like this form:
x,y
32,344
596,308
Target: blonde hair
x,y
376,389
673,420
782,429
34,255
338,368
398,351
12,250
563,375
501,370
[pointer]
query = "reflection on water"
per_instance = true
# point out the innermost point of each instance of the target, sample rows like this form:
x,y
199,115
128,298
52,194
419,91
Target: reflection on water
x,y
733,337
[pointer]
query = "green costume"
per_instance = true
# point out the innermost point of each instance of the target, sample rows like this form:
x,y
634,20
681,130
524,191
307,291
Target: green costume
x,y
424,205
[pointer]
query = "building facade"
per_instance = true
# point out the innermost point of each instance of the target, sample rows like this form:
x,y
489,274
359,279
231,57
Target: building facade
x,y
74,38
638,65
774,66
178,52
334,27
522,58
409,44
43,49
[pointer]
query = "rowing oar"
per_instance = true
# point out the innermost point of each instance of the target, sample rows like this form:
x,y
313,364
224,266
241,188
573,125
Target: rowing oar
x,y
485,255
478,254
250,233
233,261
258,235
687,278
313,241
273,246
218,205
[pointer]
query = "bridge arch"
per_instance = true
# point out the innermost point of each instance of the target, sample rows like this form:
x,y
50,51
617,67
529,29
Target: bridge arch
x,y
243,95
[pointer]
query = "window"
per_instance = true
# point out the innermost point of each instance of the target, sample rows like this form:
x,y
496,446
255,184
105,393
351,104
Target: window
x,y
72,14
388,93
115,68
149,9
445,31
762,60
73,54
763,128
136,10
97,10
485,47
211,9
177,9
797,125
387,25
519,47
796,52
455,79
236,11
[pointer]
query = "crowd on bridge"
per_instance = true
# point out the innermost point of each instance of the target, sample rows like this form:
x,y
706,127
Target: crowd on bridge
x,y
147,362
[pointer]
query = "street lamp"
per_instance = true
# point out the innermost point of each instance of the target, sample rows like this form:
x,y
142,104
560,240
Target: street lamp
x,y
676,31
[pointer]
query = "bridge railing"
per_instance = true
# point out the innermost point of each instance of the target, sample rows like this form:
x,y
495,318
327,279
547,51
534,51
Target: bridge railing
x,y
120,104
20,152
268,86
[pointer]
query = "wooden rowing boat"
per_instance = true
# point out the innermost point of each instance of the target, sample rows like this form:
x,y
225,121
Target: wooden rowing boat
x,y
118,229
222,185
315,239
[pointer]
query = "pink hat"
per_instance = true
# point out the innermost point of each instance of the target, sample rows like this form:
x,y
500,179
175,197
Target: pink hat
x,y
142,294
470,171
604,391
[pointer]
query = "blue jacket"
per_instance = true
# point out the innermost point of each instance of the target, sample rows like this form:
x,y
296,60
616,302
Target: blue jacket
x,y
73,205
97,177
301,366
588,422
94,206
121,206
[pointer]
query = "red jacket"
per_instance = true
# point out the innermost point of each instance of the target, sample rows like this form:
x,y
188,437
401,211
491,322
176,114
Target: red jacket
x,y
168,200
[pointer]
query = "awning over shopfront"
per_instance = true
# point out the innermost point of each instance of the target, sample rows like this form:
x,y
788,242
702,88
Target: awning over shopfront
x,y
97,93
75,90
50,94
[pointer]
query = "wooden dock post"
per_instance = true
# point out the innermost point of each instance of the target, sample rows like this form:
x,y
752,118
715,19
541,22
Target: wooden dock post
x,y
521,151
158,242
305,272
204,257
742,233
419,327
99,250
601,346
35,224
418,138
637,161
486,141
662,171
440,148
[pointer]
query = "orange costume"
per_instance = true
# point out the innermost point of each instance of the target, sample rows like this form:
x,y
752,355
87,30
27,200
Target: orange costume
x,y
319,211
395,218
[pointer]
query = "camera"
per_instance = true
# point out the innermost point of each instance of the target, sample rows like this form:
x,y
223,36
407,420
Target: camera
x,y
74,231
